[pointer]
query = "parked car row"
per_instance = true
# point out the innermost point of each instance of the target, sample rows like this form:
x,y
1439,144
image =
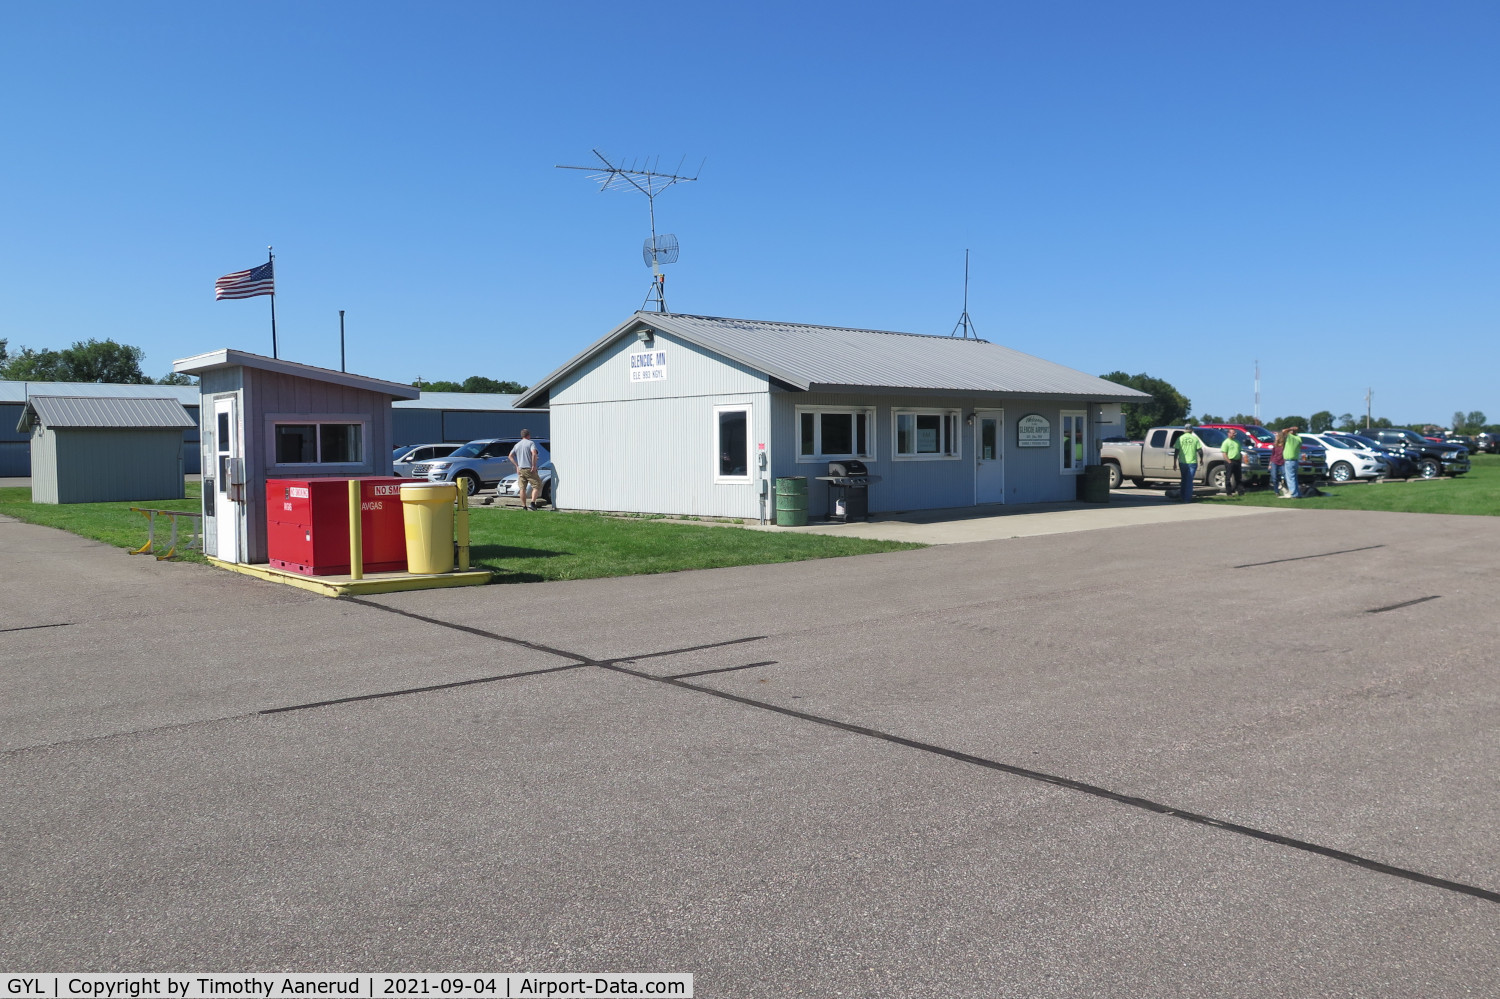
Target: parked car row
x,y
1341,457
1427,457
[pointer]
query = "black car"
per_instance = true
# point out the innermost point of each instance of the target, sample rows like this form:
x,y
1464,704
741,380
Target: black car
x,y
1400,462
1433,458
1489,443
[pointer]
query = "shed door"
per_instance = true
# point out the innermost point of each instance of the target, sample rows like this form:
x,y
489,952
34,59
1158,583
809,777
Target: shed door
x,y
989,456
227,464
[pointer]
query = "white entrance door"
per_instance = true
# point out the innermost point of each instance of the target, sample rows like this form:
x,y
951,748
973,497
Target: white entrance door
x,y
226,458
989,456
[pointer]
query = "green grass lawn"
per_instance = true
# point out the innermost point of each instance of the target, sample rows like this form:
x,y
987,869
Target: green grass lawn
x,y
112,523
521,547
1476,492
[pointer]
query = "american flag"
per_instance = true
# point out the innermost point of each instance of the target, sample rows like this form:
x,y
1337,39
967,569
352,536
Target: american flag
x,y
246,284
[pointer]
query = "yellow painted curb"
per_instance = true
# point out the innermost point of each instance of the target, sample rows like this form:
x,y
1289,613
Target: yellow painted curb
x,y
343,586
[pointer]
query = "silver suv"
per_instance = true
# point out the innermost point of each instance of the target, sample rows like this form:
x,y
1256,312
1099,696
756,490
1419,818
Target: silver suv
x,y
476,465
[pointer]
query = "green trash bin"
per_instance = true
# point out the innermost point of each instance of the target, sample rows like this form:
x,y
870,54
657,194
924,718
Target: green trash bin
x,y
791,501
1093,484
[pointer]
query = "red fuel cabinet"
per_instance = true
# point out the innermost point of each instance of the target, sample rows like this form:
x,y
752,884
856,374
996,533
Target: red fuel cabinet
x,y
307,525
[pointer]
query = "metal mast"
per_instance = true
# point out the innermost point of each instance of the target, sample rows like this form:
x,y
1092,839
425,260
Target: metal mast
x,y
964,322
650,181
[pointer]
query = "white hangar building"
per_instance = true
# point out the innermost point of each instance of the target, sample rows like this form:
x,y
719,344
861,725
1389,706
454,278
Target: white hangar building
x,y
697,416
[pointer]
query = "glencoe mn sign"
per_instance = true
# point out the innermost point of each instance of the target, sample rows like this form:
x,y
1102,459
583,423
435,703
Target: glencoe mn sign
x,y
1033,431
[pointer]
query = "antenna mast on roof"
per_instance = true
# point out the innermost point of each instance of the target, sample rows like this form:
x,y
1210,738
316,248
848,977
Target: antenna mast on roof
x,y
650,181
964,322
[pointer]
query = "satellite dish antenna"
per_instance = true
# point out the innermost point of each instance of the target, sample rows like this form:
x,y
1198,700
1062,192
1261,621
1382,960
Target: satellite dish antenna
x,y
660,249
650,181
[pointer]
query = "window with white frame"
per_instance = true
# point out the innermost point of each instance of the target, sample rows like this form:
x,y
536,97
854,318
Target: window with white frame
x,y
925,433
828,432
319,443
732,443
1073,443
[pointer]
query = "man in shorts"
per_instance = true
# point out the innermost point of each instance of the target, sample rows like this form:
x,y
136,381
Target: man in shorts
x,y
526,458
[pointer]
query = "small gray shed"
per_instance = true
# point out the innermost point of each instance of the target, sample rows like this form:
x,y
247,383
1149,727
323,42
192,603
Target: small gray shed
x,y
95,450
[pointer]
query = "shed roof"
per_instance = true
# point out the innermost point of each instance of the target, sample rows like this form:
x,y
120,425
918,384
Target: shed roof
x,y
823,358
96,413
229,358
17,391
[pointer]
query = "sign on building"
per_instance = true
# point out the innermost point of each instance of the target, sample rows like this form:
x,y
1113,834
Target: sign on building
x,y
648,366
1033,431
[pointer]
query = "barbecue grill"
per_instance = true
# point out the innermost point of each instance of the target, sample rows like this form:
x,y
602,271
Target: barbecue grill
x,y
848,489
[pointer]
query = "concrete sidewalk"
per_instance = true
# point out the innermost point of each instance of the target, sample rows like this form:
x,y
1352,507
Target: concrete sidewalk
x,y
994,522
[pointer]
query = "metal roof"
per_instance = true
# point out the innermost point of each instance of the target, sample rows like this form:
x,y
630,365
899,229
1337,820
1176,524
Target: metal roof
x,y
230,358
835,358
17,391
95,412
487,402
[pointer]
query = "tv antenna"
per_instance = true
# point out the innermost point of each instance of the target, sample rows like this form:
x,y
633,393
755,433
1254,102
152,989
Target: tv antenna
x,y
964,322
650,181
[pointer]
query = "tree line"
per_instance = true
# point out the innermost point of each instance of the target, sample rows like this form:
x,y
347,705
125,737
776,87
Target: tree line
x,y
1169,407
120,364
84,361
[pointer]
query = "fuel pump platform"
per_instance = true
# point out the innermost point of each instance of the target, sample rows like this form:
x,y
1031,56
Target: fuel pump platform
x,y
372,582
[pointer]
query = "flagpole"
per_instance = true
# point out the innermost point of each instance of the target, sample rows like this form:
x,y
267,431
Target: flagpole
x,y
271,259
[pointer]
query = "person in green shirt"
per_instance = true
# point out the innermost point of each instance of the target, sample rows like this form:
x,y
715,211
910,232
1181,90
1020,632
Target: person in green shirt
x,y
1291,450
1187,448
1234,455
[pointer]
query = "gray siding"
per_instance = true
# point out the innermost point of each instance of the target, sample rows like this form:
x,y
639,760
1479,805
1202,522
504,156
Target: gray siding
x,y
44,466
690,371
109,465
651,456
270,396
648,447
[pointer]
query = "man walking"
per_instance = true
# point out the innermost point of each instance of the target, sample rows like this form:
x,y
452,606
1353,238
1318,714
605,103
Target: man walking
x,y
1291,452
527,461
1187,447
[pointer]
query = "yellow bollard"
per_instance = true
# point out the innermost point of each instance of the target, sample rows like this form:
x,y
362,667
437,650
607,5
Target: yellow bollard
x,y
461,525
356,532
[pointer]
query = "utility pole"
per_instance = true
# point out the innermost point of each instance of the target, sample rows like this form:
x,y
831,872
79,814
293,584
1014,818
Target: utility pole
x,y
341,341
1369,393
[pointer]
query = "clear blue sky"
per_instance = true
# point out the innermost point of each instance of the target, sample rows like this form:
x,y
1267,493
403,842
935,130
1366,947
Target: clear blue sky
x,y
1178,188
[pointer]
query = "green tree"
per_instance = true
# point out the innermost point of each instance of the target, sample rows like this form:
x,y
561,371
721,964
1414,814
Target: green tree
x,y
1474,422
479,383
34,366
176,378
1347,423
1281,423
85,361
473,383
1167,406
1207,418
1320,422
1458,422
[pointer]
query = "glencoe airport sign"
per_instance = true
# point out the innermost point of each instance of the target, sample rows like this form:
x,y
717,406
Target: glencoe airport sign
x,y
1033,431
648,366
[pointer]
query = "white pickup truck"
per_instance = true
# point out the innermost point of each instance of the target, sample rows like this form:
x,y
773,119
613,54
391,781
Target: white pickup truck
x,y
1155,458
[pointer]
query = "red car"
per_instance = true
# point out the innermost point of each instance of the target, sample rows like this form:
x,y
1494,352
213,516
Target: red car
x,y
1258,437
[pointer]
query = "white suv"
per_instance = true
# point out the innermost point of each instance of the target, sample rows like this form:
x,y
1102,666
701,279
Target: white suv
x,y
1349,459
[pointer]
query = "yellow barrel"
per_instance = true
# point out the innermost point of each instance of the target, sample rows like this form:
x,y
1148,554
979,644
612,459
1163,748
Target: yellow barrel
x,y
427,509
